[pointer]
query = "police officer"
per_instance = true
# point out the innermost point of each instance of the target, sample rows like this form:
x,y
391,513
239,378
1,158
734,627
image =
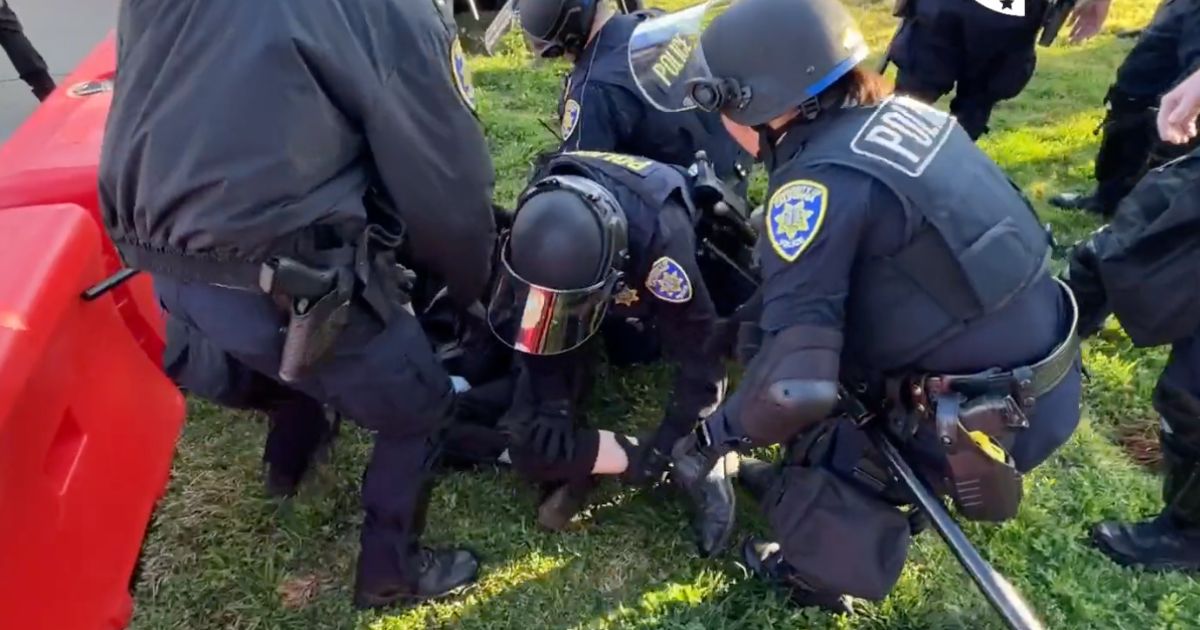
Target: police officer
x,y
596,236
898,260
241,144
1140,267
25,58
982,50
601,107
1167,51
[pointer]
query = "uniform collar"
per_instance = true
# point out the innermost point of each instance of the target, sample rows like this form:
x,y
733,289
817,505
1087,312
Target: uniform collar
x,y
796,137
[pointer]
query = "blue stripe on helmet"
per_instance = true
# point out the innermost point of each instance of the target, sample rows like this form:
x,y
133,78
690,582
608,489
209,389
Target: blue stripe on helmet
x,y
837,72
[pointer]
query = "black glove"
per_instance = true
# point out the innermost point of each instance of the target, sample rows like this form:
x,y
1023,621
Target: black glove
x,y
648,461
1083,276
549,433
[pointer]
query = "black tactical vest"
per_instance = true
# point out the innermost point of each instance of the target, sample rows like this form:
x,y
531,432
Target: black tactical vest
x,y
980,242
672,138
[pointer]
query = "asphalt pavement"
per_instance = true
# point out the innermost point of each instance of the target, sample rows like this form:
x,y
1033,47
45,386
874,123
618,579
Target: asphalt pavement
x,y
64,32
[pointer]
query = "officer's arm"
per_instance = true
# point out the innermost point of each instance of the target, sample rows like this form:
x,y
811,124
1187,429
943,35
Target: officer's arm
x,y
432,159
792,382
600,117
685,327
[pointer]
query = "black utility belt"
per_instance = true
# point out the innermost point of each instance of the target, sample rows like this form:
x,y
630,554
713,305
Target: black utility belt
x,y
315,294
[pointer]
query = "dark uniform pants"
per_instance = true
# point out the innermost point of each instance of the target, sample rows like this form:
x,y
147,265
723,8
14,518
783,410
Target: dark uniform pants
x,y
1167,51
25,58
961,46
834,513
224,345
1177,400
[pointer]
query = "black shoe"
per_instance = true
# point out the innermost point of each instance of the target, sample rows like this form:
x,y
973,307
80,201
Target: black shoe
x,y
764,559
1158,544
1088,202
756,476
708,485
563,502
442,573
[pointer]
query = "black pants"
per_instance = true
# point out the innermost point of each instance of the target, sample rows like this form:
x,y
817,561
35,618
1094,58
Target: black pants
x,y
1177,400
224,345
29,64
963,47
1167,52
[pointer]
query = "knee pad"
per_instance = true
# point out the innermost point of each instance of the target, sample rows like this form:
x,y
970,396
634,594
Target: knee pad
x,y
791,384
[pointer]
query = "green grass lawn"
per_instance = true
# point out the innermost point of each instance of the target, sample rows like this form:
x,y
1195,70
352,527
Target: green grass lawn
x,y
220,555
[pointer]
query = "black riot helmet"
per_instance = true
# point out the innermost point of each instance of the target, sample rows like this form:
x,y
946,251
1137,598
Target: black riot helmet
x,y
752,60
560,265
554,27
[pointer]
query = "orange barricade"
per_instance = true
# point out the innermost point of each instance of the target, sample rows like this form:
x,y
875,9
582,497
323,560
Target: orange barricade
x,y
88,424
54,158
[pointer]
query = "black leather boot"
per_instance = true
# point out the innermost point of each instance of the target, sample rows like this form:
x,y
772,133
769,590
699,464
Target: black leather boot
x,y
434,573
764,559
706,477
1170,541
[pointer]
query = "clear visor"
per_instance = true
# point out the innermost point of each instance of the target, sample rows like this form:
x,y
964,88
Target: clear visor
x,y
665,55
536,320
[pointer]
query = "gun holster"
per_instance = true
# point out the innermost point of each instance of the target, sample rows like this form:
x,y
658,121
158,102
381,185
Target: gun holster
x,y
317,302
976,435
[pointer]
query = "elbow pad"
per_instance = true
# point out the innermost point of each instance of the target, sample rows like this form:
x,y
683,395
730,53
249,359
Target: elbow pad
x,y
793,386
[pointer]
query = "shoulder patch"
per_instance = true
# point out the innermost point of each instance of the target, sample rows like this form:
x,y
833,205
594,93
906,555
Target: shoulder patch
x,y
904,134
669,282
570,118
462,74
794,217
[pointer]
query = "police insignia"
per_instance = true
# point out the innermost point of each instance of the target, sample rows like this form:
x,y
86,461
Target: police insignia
x,y
626,297
794,217
462,74
570,118
668,281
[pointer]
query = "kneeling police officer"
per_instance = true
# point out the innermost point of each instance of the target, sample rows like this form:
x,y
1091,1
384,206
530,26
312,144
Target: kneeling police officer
x,y
596,237
601,107
239,151
898,261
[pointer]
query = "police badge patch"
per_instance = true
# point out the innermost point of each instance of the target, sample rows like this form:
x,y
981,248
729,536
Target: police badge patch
x,y
794,217
462,74
570,118
669,282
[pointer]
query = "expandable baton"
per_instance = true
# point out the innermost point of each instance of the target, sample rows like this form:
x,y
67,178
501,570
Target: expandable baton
x,y
1003,597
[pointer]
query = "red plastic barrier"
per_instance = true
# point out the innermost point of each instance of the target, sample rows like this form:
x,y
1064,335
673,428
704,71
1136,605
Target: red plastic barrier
x,y
54,158
88,425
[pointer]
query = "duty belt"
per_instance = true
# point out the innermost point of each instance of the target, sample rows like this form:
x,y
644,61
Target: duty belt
x,y
975,418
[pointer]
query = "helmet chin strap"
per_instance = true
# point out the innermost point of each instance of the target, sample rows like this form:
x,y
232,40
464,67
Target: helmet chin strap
x,y
807,111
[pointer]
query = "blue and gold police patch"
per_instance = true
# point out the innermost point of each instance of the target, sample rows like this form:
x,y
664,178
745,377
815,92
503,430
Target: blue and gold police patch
x,y
794,217
668,281
570,118
462,74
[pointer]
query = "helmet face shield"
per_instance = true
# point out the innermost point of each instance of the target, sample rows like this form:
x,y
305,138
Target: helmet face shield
x,y
666,59
537,320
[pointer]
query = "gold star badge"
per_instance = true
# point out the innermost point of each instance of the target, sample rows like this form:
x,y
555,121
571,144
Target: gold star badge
x,y
626,297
